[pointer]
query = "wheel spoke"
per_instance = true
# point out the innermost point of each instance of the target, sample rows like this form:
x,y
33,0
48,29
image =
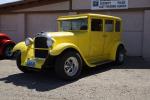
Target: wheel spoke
x,y
70,70
66,67
71,66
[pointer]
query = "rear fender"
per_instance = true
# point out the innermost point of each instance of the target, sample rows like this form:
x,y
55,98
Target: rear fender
x,y
5,44
114,50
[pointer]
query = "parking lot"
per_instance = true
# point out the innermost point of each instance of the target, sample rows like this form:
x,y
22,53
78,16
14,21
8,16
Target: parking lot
x,y
130,81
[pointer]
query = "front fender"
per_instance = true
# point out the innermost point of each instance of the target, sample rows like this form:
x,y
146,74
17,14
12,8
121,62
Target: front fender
x,y
58,49
20,47
114,51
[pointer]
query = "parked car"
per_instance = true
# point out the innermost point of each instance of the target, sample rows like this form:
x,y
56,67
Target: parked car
x,y
6,46
85,39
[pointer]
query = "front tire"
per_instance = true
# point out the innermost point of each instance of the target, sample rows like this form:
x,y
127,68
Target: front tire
x,y
68,65
24,69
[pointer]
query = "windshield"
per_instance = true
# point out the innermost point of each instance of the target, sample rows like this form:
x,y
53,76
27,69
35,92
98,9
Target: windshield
x,y
74,25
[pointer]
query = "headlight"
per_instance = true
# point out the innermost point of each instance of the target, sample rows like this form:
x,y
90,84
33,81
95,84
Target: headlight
x,y
50,42
28,41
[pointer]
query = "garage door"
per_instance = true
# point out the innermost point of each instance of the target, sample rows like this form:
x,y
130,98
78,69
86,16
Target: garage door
x,y
42,22
13,25
132,31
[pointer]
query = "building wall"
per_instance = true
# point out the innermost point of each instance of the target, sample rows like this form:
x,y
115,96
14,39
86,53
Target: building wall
x,y
132,31
42,22
13,25
49,7
135,22
132,4
146,37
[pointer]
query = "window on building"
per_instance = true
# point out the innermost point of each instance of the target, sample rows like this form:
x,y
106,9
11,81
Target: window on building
x,y
109,26
118,26
97,25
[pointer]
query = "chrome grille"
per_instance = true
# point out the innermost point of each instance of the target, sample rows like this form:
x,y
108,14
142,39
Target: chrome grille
x,y
40,42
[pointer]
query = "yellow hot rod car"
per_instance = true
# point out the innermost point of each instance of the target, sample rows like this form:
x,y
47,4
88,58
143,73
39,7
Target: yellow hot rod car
x,y
84,39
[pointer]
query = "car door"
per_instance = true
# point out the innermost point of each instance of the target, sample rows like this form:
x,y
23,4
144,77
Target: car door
x,y
109,34
96,40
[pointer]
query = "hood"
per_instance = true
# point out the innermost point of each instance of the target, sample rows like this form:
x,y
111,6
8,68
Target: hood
x,y
55,34
4,36
60,34
59,37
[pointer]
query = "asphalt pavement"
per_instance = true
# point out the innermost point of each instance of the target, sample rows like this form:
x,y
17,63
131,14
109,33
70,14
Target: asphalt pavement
x,y
130,81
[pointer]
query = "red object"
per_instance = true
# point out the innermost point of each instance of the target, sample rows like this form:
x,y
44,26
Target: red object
x,y
5,41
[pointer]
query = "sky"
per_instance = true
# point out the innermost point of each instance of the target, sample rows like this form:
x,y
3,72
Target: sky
x,y
7,1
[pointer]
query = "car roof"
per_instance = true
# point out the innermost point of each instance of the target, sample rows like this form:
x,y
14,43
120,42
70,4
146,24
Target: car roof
x,y
3,34
86,16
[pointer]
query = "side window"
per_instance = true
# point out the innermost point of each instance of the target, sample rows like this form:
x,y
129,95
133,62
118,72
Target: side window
x,y
118,26
109,25
97,25
66,25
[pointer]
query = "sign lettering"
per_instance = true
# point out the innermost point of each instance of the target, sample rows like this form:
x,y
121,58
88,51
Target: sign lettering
x,y
109,4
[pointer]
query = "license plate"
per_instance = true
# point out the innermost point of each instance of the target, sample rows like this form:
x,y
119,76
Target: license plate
x,y
31,63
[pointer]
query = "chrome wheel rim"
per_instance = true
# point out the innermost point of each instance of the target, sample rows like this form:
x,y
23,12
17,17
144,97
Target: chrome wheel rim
x,y
8,52
71,66
121,57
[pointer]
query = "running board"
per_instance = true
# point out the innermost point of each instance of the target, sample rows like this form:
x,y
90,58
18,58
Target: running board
x,y
102,63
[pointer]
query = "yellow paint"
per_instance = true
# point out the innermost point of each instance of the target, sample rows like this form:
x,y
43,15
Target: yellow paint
x,y
93,47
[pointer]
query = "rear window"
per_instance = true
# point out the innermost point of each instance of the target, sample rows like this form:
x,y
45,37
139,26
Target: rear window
x,y
97,25
118,26
109,26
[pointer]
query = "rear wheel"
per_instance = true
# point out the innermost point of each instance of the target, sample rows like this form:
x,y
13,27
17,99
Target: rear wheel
x,y
120,56
68,65
8,51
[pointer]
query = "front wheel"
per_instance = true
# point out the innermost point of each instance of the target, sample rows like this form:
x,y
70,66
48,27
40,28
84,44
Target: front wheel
x,y
68,65
18,61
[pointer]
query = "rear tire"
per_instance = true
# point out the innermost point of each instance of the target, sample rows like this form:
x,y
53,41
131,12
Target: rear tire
x,y
120,56
8,54
68,65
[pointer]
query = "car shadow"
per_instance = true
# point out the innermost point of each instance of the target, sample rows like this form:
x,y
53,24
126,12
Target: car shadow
x,y
46,81
134,63
130,63
38,81
1,58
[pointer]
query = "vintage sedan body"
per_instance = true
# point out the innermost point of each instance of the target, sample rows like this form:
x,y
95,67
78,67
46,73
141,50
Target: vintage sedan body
x,y
86,39
6,46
